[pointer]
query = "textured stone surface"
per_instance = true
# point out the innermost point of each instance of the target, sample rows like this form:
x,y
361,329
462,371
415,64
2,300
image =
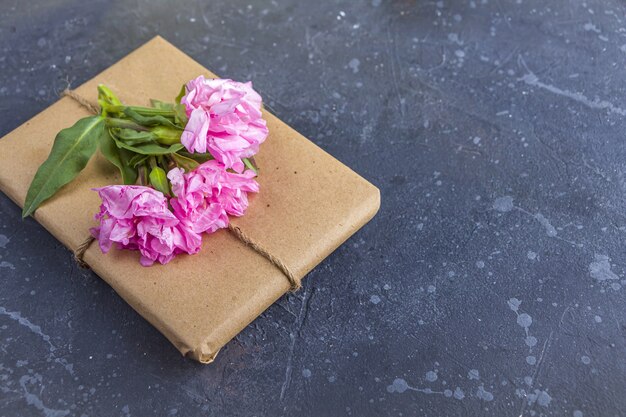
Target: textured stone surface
x,y
490,283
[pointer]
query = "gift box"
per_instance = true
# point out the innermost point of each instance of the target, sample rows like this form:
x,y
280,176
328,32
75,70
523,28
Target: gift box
x,y
309,204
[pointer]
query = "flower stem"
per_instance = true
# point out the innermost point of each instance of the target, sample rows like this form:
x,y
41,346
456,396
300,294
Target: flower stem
x,y
144,111
143,174
248,163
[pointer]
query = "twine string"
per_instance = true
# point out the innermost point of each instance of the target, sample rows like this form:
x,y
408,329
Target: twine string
x,y
293,281
80,100
79,253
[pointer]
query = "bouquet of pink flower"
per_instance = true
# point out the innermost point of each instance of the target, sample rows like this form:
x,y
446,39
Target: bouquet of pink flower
x,y
192,160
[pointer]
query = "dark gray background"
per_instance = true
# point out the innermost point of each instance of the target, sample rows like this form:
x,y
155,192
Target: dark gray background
x,y
490,283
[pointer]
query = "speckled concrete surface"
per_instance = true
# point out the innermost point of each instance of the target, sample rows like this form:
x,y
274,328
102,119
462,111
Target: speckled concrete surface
x,y
491,282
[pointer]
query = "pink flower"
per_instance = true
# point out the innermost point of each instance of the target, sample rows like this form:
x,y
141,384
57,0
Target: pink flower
x,y
204,197
229,189
191,203
138,218
224,119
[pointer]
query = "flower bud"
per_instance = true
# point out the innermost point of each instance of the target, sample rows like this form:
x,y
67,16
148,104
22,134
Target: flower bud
x,y
166,135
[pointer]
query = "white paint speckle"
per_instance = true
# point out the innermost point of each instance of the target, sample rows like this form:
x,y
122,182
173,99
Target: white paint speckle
x,y
524,320
374,299
473,374
531,255
454,37
34,400
483,394
431,376
503,204
540,397
399,385
354,65
514,303
306,373
550,230
600,269
533,80
531,341
5,264
585,359
531,360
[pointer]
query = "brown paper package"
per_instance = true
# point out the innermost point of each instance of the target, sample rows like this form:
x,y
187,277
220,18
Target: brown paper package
x,y
309,204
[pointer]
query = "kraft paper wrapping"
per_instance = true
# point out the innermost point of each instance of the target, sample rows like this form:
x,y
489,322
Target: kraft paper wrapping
x,y
309,204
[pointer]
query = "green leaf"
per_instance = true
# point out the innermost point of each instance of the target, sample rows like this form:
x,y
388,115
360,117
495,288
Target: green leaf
x,y
180,117
137,160
153,120
72,149
161,104
133,137
181,93
149,148
118,157
198,157
185,163
158,179
177,111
